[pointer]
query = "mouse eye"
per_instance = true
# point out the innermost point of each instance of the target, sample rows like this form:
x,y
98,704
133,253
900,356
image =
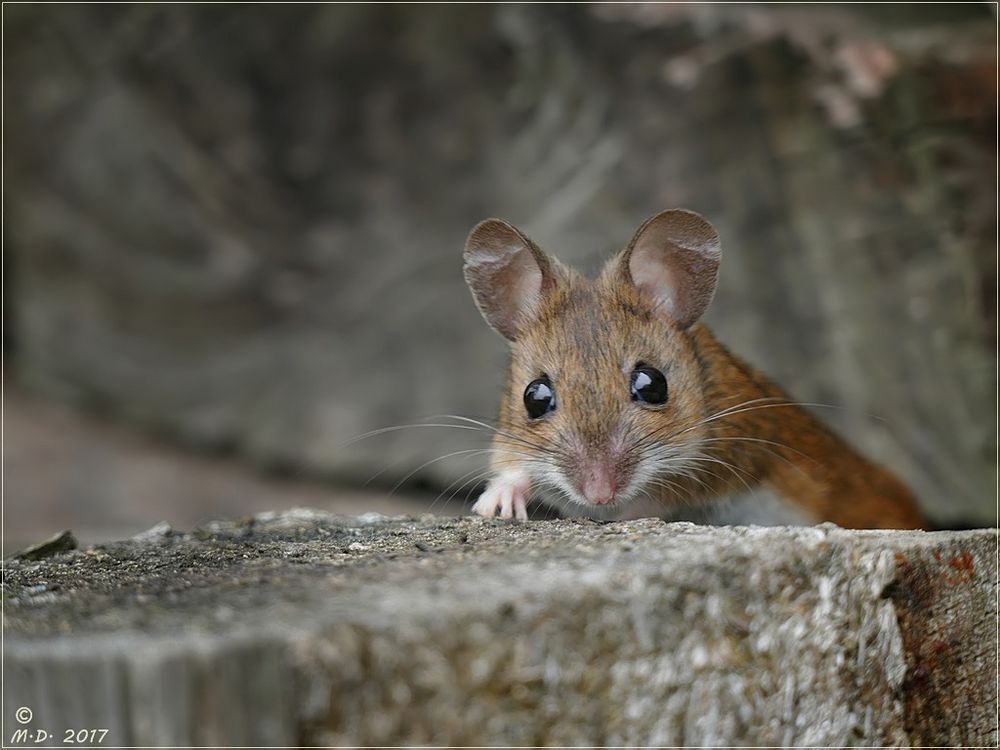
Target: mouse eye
x,y
539,398
648,385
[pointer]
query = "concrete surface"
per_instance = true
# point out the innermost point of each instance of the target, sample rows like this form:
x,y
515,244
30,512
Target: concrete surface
x,y
306,628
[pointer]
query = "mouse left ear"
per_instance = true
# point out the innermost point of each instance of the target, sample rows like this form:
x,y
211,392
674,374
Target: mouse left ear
x,y
508,275
673,260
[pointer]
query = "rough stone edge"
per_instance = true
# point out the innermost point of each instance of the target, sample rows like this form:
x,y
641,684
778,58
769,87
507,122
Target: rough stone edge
x,y
115,661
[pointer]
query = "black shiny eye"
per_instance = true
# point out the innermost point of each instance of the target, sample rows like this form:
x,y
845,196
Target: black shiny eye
x,y
539,398
648,385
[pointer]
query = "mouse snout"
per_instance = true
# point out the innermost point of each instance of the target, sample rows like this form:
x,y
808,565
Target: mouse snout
x,y
599,468
599,483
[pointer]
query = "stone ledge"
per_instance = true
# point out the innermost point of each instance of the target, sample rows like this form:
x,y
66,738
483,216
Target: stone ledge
x,y
304,628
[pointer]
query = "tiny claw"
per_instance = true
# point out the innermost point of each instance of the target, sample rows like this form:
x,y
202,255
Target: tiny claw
x,y
521,507
506,503
485,506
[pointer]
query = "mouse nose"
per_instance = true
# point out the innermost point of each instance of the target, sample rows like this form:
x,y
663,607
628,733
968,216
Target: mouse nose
x,y
599,484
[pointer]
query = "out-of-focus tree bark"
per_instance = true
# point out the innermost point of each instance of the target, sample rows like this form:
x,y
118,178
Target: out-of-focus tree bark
x,y
242,225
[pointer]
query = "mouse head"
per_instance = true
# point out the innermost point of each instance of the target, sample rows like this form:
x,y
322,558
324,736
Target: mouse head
x,y
604,394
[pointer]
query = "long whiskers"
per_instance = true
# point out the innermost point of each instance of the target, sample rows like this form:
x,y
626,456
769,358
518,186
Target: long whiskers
x,y
520,439
744,438
732,411
766,402
518,445
480,474
396,428
468,453
670,465
475,426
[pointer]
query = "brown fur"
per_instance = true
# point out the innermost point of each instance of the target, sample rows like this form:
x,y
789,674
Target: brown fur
x,y
588,335
808,464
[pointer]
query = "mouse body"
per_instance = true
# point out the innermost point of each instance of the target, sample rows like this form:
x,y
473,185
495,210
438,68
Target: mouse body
x,y
619,403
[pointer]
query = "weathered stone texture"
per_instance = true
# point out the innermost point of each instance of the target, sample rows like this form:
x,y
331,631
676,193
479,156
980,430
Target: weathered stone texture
x,y
306,628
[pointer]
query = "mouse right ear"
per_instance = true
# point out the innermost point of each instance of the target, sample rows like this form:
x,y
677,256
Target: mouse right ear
x,y
673,260
508,275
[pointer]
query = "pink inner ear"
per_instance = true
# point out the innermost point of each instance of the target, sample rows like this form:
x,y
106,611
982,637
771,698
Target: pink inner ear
x,y
674,263
524,282
505,276
653,278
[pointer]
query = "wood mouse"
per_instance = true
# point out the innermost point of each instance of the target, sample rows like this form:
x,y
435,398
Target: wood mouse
x,y
620,404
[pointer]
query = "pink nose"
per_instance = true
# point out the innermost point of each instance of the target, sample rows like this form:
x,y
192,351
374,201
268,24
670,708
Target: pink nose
x,y
598,485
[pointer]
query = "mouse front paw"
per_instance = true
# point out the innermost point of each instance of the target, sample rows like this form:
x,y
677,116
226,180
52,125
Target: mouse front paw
x,y
506,493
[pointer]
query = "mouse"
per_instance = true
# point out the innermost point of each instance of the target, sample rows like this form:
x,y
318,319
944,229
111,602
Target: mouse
x,y
619,403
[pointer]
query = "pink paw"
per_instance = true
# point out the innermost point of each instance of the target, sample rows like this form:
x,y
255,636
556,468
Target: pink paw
x,y
506,493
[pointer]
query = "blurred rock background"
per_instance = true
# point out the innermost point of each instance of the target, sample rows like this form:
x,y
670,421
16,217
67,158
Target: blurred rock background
x,y
233,233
